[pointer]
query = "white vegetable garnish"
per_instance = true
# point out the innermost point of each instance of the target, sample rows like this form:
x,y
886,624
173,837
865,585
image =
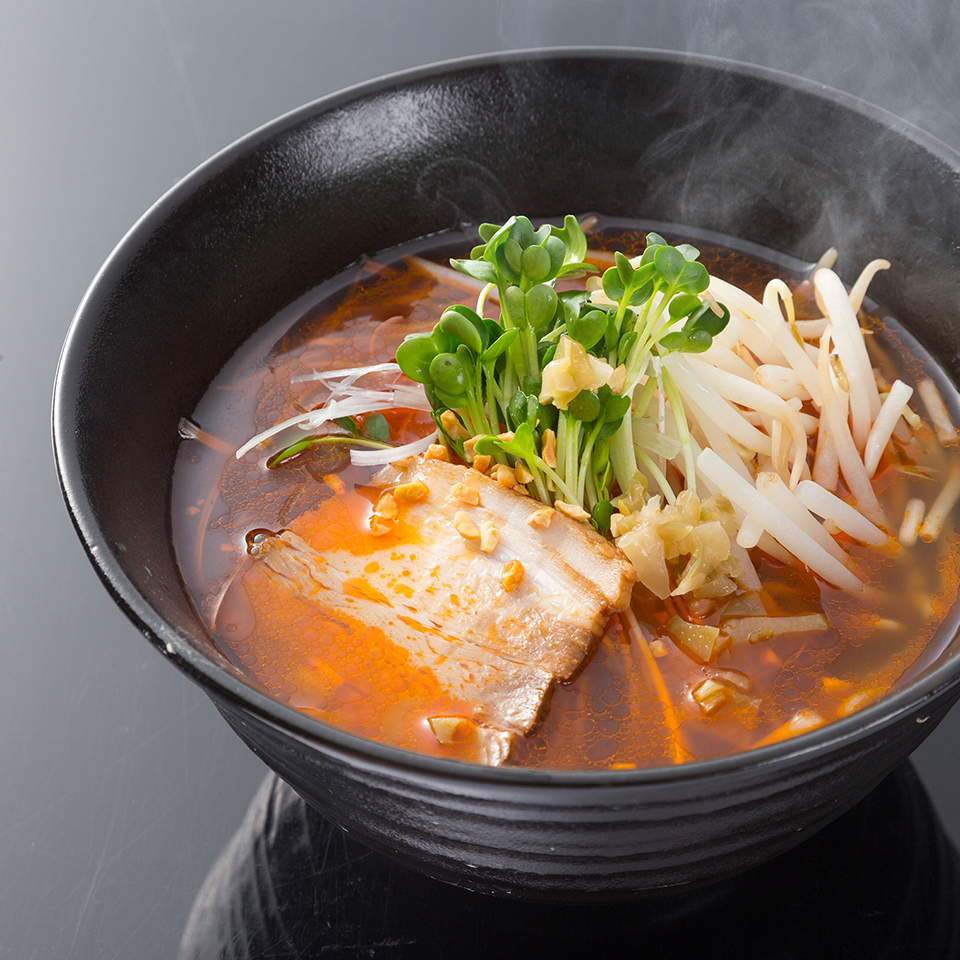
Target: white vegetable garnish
x,y
349,373
724,358
851,466
848,339
946,431
346,401
812,329
783,381
780,527
753,336
713,406
826,467
830,507
827,260
776,329
762,400
777,293
773,488
410,396
369,458
912,518
890,412
948,496
749,534
810,423
649,437
859,289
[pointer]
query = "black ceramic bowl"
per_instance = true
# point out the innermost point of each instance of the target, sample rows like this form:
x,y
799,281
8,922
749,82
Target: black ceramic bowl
x,y
718,146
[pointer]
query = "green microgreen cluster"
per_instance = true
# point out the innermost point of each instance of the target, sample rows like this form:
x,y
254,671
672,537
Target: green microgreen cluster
x,y
552,380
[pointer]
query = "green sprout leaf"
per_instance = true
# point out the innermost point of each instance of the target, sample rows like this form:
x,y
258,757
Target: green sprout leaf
x,y
348,424
523,445
600,516
623,282
499,346
535,264
697,334
448,375
466,326
670,263
540,303
414,356
683,304
573,239
376,427
589,329
478,269
693,278
585,406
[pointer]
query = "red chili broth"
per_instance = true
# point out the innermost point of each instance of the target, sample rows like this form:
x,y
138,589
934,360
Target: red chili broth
x,y
632,704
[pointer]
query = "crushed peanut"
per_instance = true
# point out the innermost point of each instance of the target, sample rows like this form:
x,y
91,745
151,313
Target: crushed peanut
x,y
437,451
505,476
541,518
386,508
465,526
447,730
489,537
549,453
522,472
335,484
481,462
415,492
572,510
466,494
452,425
380,525
618,378
469,451
512,575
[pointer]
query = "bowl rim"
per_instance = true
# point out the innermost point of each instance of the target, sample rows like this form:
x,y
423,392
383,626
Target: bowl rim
x,y
223,686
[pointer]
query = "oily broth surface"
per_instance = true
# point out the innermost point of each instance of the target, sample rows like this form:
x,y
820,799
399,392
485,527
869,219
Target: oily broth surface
x,y
631,705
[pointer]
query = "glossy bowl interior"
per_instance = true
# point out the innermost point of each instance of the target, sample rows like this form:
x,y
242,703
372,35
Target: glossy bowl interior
x,y
717,146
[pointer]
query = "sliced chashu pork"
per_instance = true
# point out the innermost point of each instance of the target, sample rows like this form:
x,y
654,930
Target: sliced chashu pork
x,y
494,593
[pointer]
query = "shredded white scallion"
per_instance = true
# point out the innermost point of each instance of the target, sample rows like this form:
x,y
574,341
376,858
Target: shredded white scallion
x,y
349,373
349,403
370,458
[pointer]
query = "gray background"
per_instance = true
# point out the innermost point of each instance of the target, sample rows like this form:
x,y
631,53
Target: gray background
x,y
119,783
